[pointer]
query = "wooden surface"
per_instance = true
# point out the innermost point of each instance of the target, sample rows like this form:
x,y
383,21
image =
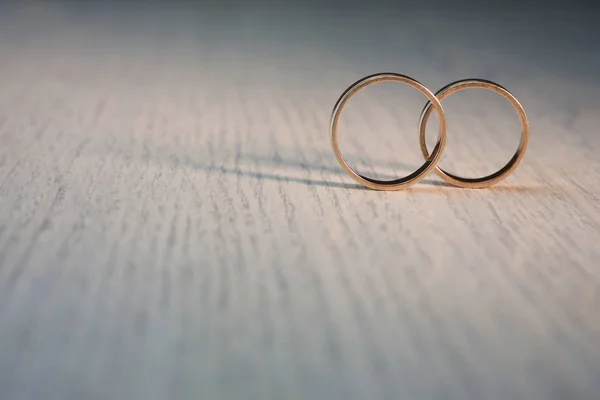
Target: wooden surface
x,y
173,224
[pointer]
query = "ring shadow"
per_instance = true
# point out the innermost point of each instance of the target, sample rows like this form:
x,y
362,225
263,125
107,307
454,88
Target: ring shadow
x,y
431,186
305,181
286,178
276,161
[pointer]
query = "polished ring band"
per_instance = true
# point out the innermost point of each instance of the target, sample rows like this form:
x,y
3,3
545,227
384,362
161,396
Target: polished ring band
x,y
431,160
503,172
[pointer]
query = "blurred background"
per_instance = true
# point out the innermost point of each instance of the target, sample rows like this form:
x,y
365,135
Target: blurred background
x,y
173,223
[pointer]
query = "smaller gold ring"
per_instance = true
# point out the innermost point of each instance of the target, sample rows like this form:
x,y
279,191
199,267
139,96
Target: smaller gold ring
x,y
503,172
431,160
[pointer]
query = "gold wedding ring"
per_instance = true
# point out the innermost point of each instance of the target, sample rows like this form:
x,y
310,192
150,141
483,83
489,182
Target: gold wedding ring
x,y
431,160
513,163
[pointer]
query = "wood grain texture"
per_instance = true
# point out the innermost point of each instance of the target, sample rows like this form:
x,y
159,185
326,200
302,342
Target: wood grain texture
x,y
173,223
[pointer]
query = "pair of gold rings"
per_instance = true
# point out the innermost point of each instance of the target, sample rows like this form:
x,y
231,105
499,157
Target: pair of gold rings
x,y
431,160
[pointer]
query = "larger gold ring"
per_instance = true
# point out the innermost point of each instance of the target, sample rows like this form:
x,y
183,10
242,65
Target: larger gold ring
x,y
431,160
503,172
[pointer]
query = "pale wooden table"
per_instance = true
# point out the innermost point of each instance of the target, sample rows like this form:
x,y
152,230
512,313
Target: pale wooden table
x,y
173,224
